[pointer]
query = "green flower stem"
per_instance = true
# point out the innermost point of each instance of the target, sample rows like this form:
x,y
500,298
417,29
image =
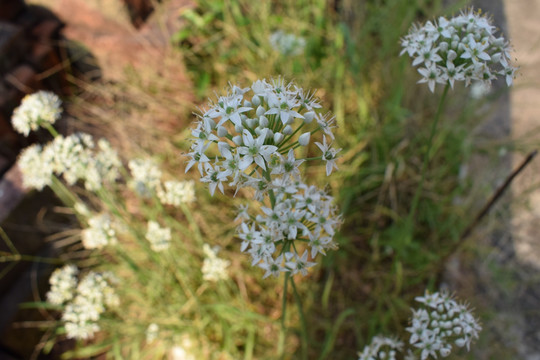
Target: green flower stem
x,y
51,129
304,332
283,330
416,198
192,223
65,195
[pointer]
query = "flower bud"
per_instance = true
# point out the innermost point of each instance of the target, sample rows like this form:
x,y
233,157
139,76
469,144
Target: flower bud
x,y
269,133
443,46
452,55
238,128
263,121
304,138
222,131
287,130
256,100
258,131
247,103
308,117
251,123
260,111
278,137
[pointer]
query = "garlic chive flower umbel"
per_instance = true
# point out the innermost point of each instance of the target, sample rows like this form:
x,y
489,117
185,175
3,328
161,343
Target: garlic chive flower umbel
x,y
441,322
256,138
36,110
438,325
464,48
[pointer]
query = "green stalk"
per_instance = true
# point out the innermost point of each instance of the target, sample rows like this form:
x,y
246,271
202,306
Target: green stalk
x,y
283,330
416,198
302,321
50,129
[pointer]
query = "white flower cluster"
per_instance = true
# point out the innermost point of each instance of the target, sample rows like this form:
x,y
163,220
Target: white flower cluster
x,y
86,302
464,48
254,136
74,157
381,348
63,282
159,238
214,268
302,215
36,109
152,332
177,192
287,44
36,168
146,176
101,232
147,181
440,323
254,131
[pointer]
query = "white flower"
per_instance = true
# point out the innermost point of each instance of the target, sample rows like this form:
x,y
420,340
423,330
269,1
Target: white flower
x,y
93,295
63,283
381,348
287,44
146,176
328,155
158,237
36,167
100,232
152,332
254,150
214,268
463,48
71,156
104,167
299,264
177,192
248,131
37,109
441,323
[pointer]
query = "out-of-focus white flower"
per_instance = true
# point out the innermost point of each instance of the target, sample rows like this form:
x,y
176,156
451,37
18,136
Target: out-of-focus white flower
x,y
152,332
104,167
177,192
71,156
214,268
464,48
287,44
84,302
159,238
36,167
100,232
63,283
146,176
381,348
37,109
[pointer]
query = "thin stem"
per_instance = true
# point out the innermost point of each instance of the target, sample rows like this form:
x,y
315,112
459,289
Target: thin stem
x,y
51,129
416,198
305,340
283,330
